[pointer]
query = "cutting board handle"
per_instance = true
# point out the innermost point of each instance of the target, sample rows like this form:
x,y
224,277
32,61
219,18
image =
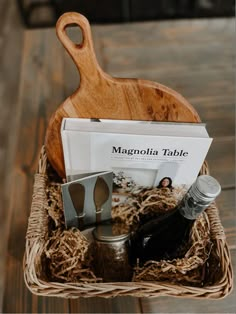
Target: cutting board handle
x,y
82,54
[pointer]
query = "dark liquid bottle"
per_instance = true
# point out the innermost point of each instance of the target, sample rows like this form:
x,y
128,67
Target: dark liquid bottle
x,y
165,236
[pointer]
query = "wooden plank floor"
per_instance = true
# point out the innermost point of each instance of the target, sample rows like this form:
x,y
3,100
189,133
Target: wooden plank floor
x,y
193,57
11,43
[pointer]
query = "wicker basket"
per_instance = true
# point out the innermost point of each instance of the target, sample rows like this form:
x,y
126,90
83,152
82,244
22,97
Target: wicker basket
x,y
37,235
115,99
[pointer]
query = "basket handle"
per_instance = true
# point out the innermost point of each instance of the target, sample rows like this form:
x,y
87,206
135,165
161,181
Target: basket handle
x,y
82,54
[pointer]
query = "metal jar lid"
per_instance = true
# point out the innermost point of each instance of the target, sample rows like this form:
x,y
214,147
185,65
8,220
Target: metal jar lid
x,y
205,188
107,233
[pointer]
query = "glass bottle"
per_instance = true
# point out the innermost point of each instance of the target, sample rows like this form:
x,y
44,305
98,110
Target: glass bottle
x,y
164,236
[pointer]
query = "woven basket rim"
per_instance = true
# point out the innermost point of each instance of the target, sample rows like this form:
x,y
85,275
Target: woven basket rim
x,y
34,244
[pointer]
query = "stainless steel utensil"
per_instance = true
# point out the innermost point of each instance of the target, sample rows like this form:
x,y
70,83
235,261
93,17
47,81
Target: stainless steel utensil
x,y
77,194
100,196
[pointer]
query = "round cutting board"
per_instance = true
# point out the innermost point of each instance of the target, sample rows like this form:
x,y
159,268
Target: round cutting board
x,y
101,96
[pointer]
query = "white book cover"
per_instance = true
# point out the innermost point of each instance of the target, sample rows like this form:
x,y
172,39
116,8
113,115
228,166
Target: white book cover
x,y
139,153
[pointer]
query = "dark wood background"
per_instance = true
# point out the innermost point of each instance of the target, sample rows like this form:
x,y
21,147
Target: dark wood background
x,y
194,57
38,13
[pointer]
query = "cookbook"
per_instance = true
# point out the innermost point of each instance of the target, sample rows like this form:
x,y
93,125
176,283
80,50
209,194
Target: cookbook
x,y
139,153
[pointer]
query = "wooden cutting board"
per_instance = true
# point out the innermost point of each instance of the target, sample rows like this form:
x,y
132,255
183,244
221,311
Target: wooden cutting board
x,y
102,96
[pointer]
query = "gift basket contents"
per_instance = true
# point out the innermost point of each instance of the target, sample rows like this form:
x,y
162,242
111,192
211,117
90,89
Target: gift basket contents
x,y
147,231
134,202
123,202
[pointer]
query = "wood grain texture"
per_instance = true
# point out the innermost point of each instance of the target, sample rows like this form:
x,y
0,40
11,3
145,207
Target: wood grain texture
x,y
225,202
49,76
113,305
102,96
221,159
202,84
11,34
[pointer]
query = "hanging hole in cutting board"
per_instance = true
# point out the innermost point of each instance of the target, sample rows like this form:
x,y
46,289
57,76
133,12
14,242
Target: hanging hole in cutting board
x,y
74,32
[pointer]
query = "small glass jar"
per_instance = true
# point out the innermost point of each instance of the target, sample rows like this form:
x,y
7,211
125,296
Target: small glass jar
x,y
111,253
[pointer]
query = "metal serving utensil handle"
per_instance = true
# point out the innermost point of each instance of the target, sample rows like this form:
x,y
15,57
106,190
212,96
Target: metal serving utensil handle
x,y
100,195
77,194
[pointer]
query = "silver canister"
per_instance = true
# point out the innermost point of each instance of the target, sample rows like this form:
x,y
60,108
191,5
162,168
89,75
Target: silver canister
x,y
111,253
